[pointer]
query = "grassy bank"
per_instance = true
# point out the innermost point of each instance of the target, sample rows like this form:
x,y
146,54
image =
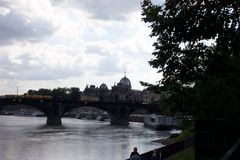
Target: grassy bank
x,y
176,137
187,154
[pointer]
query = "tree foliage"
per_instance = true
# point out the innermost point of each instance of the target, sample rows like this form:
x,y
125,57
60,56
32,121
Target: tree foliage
x,y
197,47
74,93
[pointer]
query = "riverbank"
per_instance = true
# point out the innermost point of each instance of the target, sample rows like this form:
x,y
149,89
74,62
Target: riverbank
x,y
171,149
177,147
176,137
187,154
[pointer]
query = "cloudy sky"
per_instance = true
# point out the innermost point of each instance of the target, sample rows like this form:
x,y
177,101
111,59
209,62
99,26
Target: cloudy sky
x,y
72,43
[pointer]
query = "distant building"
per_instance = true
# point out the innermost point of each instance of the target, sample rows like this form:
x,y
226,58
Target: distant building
x,y
149,97
90,93
104,93
122,92
136,96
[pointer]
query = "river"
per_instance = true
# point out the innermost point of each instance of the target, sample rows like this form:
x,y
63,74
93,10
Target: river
x,y
27,138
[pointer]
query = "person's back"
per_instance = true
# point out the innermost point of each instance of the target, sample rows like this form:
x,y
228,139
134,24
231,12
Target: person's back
x,y
135,157
154,156
134,153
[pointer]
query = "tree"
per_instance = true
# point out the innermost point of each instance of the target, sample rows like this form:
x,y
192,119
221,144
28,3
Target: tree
x,y
31,92
197,42
60,93
74,93
44,92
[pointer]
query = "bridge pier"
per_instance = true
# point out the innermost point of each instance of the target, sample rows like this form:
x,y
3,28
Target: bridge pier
x,y
54,121
120,116
119,120
54,113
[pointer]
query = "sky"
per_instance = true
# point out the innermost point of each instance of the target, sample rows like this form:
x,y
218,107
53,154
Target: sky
x,y
73,43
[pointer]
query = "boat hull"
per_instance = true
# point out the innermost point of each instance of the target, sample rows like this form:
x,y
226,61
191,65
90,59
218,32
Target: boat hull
x,y
158,127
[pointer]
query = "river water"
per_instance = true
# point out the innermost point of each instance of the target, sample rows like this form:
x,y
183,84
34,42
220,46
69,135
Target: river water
x,y
27,138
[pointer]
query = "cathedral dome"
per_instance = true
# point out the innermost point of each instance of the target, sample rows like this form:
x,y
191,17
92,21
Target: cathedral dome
x,y
103,87
125,82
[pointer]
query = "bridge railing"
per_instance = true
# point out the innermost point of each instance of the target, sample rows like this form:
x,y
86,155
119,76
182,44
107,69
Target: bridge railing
x,y
37,97
233,153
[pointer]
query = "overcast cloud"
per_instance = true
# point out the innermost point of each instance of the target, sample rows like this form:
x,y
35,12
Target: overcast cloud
x,y
71,43
108,9
15,26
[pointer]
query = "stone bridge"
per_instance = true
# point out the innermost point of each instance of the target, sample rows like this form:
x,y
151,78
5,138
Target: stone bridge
x,y
55,109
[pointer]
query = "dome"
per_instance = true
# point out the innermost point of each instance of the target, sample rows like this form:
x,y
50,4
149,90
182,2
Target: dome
x,y
103,86
125,82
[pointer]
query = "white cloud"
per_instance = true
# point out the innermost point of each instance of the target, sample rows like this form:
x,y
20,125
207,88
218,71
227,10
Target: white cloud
x,y
109,66
47,44
103,48
30,68
15,26
107,9
24,30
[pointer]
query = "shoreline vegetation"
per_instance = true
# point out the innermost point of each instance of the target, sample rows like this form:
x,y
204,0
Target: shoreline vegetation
x,y
187,154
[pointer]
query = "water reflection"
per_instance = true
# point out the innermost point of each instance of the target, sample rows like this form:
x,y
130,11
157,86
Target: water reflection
x,y
25,138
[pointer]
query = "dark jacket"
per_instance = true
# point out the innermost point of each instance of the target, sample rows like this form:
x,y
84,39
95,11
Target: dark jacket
x,y
154,157
135,157
134,153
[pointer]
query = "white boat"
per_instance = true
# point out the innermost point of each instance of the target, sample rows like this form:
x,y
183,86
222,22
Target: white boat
x,y
158,122
104,117
29,113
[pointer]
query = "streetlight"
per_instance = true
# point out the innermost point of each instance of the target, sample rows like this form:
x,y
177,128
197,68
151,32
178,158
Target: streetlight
x,y
17,89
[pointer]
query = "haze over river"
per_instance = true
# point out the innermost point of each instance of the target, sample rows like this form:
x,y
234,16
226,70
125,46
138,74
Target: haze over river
x,y
26,138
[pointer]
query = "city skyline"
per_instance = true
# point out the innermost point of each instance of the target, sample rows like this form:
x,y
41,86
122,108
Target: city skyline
x,y
70,43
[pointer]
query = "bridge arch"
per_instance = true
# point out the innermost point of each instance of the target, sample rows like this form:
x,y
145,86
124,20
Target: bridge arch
x,y
22,110
49,107
55,109
119,115
83,111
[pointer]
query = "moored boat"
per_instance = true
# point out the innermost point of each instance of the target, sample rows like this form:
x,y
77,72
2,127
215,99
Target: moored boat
x,y
158,122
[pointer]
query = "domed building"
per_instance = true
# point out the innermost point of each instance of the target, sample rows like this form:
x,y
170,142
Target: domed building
x,y
125,82
104,93
121,91
90,93
103,86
